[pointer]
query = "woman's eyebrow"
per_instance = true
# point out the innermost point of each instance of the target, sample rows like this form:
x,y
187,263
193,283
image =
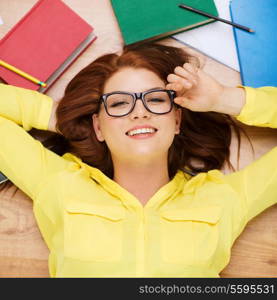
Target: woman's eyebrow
x,y
156,88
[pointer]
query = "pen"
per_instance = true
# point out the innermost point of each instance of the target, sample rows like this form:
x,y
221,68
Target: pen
x,y
200,12
21,73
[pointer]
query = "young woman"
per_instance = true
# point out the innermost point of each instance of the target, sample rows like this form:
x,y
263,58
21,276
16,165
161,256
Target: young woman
x,y
139,191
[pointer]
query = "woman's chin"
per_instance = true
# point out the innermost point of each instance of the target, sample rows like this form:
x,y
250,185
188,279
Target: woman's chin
x,y
144,155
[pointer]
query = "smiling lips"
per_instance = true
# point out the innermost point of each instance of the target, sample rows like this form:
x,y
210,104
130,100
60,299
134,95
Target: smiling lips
x,y
141,132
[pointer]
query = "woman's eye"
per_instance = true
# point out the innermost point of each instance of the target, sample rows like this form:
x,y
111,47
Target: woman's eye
x,y
156,100
118,103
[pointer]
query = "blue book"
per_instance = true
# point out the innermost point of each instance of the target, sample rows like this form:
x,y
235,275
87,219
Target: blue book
x,y
257,52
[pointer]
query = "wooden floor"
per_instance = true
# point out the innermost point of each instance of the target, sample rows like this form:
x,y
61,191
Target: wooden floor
x,y
23,253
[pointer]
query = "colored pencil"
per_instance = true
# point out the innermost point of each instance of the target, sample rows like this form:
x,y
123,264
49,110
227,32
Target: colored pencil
x,y
21,73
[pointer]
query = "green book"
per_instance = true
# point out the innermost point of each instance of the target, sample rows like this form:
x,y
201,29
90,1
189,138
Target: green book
x,y
145,20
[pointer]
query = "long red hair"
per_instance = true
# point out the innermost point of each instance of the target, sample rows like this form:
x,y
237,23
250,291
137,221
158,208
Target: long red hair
x,y
204,139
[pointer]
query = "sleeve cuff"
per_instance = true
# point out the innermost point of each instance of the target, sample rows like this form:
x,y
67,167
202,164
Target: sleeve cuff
x,y
44,114
248,112
260,108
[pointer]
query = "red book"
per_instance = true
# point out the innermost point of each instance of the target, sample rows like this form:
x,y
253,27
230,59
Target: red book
x,y
44,43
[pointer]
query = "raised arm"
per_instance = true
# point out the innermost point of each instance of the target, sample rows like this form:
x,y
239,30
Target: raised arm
x,y
23,159
27,108
255,185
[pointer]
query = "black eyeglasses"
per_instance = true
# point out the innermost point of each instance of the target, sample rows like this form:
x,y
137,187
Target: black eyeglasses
x,y
156,101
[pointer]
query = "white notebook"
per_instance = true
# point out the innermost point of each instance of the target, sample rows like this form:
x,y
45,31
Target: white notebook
x,y
216,39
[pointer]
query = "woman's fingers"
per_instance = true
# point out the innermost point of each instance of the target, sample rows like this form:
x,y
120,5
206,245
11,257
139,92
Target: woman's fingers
x,y
184,79
184,82
184,102
184,74
177,87
191,68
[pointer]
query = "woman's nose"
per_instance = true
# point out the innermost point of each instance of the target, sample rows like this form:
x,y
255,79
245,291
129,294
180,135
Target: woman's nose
x,y
139,110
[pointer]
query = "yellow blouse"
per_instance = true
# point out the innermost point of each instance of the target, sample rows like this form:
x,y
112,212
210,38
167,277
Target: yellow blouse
x,y
95,228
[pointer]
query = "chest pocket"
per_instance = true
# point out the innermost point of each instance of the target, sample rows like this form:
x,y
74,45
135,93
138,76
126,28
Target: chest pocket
x,y
189,236
93,233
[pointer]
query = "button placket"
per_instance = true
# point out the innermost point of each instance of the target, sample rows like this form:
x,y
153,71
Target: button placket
x,y
141,243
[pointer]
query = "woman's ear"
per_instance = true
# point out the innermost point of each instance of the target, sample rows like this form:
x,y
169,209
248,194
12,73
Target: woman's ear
x,y
178,119
96,127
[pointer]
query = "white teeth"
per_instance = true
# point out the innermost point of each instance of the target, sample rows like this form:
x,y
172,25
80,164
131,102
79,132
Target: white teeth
x,y
141,130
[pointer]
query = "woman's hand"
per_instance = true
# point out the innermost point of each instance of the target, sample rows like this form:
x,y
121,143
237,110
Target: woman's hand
x,y
198,91
53,120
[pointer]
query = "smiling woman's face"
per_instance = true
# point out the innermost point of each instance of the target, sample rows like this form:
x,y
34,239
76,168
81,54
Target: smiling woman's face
x,y
124,143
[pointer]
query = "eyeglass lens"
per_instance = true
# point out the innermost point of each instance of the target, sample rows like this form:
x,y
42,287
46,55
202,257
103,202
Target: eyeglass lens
x,y
120,104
